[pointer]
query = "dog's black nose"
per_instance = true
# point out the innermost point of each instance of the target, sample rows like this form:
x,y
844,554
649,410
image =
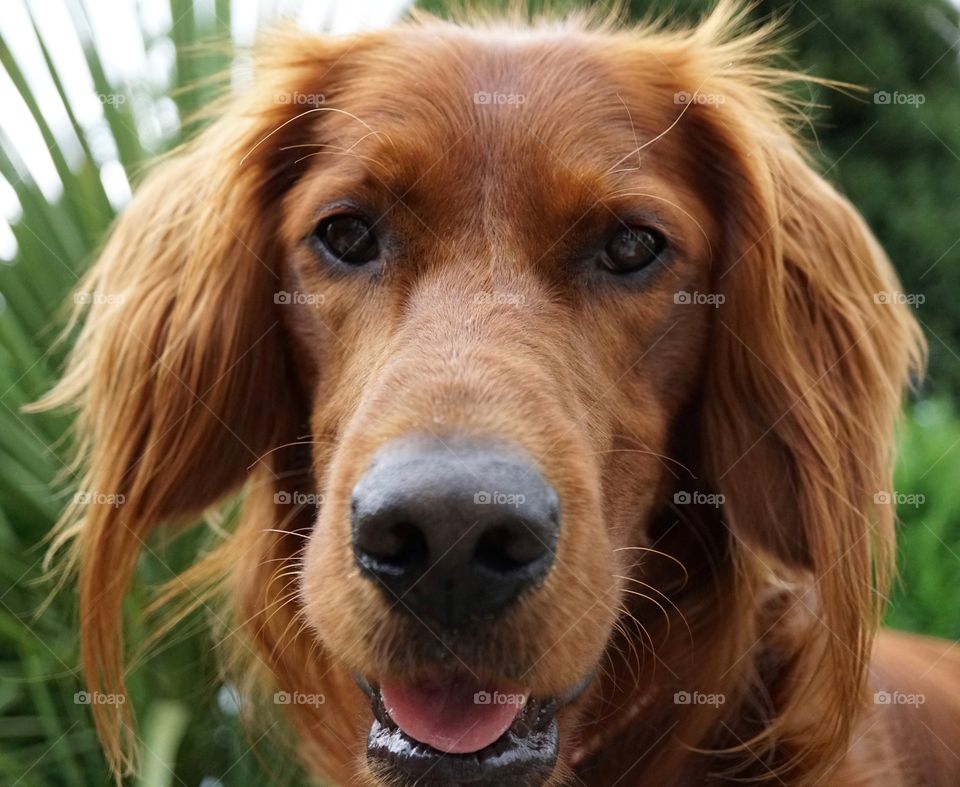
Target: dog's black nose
x,y
453,530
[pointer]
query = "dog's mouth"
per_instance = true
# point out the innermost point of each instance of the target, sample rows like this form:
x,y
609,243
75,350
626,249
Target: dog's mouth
x,y
451,729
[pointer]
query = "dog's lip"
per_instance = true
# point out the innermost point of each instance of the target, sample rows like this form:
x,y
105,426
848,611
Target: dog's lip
x,y
523,755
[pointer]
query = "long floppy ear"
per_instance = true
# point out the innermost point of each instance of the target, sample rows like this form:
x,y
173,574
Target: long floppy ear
x,y
179,374
812,350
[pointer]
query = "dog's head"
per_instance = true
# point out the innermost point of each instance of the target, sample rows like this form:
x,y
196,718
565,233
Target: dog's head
x,y
529,299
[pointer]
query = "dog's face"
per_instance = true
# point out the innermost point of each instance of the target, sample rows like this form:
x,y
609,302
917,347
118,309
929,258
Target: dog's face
x,y
492,304
515,291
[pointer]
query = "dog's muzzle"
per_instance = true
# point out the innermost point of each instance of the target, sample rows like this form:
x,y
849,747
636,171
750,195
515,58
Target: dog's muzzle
x,y
453,531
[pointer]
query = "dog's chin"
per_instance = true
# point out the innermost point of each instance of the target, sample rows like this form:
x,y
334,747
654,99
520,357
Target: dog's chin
x,y
449,729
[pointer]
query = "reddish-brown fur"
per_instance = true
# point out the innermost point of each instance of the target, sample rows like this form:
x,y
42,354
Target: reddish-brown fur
x,y
783,399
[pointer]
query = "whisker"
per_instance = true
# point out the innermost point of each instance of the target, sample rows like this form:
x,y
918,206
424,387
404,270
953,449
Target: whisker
x,y
683,568
657,138
303,114
666,458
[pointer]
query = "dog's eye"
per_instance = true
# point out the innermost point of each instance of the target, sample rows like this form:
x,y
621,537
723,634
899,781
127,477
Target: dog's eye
x,y
633,248
348,238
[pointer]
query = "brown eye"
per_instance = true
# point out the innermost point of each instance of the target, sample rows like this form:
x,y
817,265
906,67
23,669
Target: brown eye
x,y
633,248
348,238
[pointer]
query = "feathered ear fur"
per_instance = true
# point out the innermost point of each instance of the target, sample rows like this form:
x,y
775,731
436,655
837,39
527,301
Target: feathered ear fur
x,y
806,372
180,375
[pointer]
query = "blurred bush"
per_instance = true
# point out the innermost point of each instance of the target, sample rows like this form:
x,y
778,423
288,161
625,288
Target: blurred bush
x,y
927,496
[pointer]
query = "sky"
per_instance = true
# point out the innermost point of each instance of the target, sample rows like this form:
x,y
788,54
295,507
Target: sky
x,y
132,39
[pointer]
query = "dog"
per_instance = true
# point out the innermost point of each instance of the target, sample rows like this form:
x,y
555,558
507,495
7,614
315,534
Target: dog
x,y
559,389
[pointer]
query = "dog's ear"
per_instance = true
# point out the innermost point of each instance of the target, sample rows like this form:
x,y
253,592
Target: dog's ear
x,y
812,350
179,375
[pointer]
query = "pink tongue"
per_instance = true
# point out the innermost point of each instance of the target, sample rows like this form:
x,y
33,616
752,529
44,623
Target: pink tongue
x,y
452,715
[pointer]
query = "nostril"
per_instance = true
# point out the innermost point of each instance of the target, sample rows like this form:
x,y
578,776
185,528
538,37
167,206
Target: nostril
x,y
506,549
395,548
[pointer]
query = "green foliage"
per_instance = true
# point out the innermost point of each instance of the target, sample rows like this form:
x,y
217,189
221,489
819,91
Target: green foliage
x,y
897,162
928,504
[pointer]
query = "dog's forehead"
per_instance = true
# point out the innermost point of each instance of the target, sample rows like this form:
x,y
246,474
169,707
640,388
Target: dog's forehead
x,y
536,98
524,132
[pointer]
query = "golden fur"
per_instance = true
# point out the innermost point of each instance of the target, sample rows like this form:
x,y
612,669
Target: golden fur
x,y
783,399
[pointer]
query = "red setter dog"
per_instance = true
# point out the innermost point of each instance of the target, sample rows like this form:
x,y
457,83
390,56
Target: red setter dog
x,y
561,392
